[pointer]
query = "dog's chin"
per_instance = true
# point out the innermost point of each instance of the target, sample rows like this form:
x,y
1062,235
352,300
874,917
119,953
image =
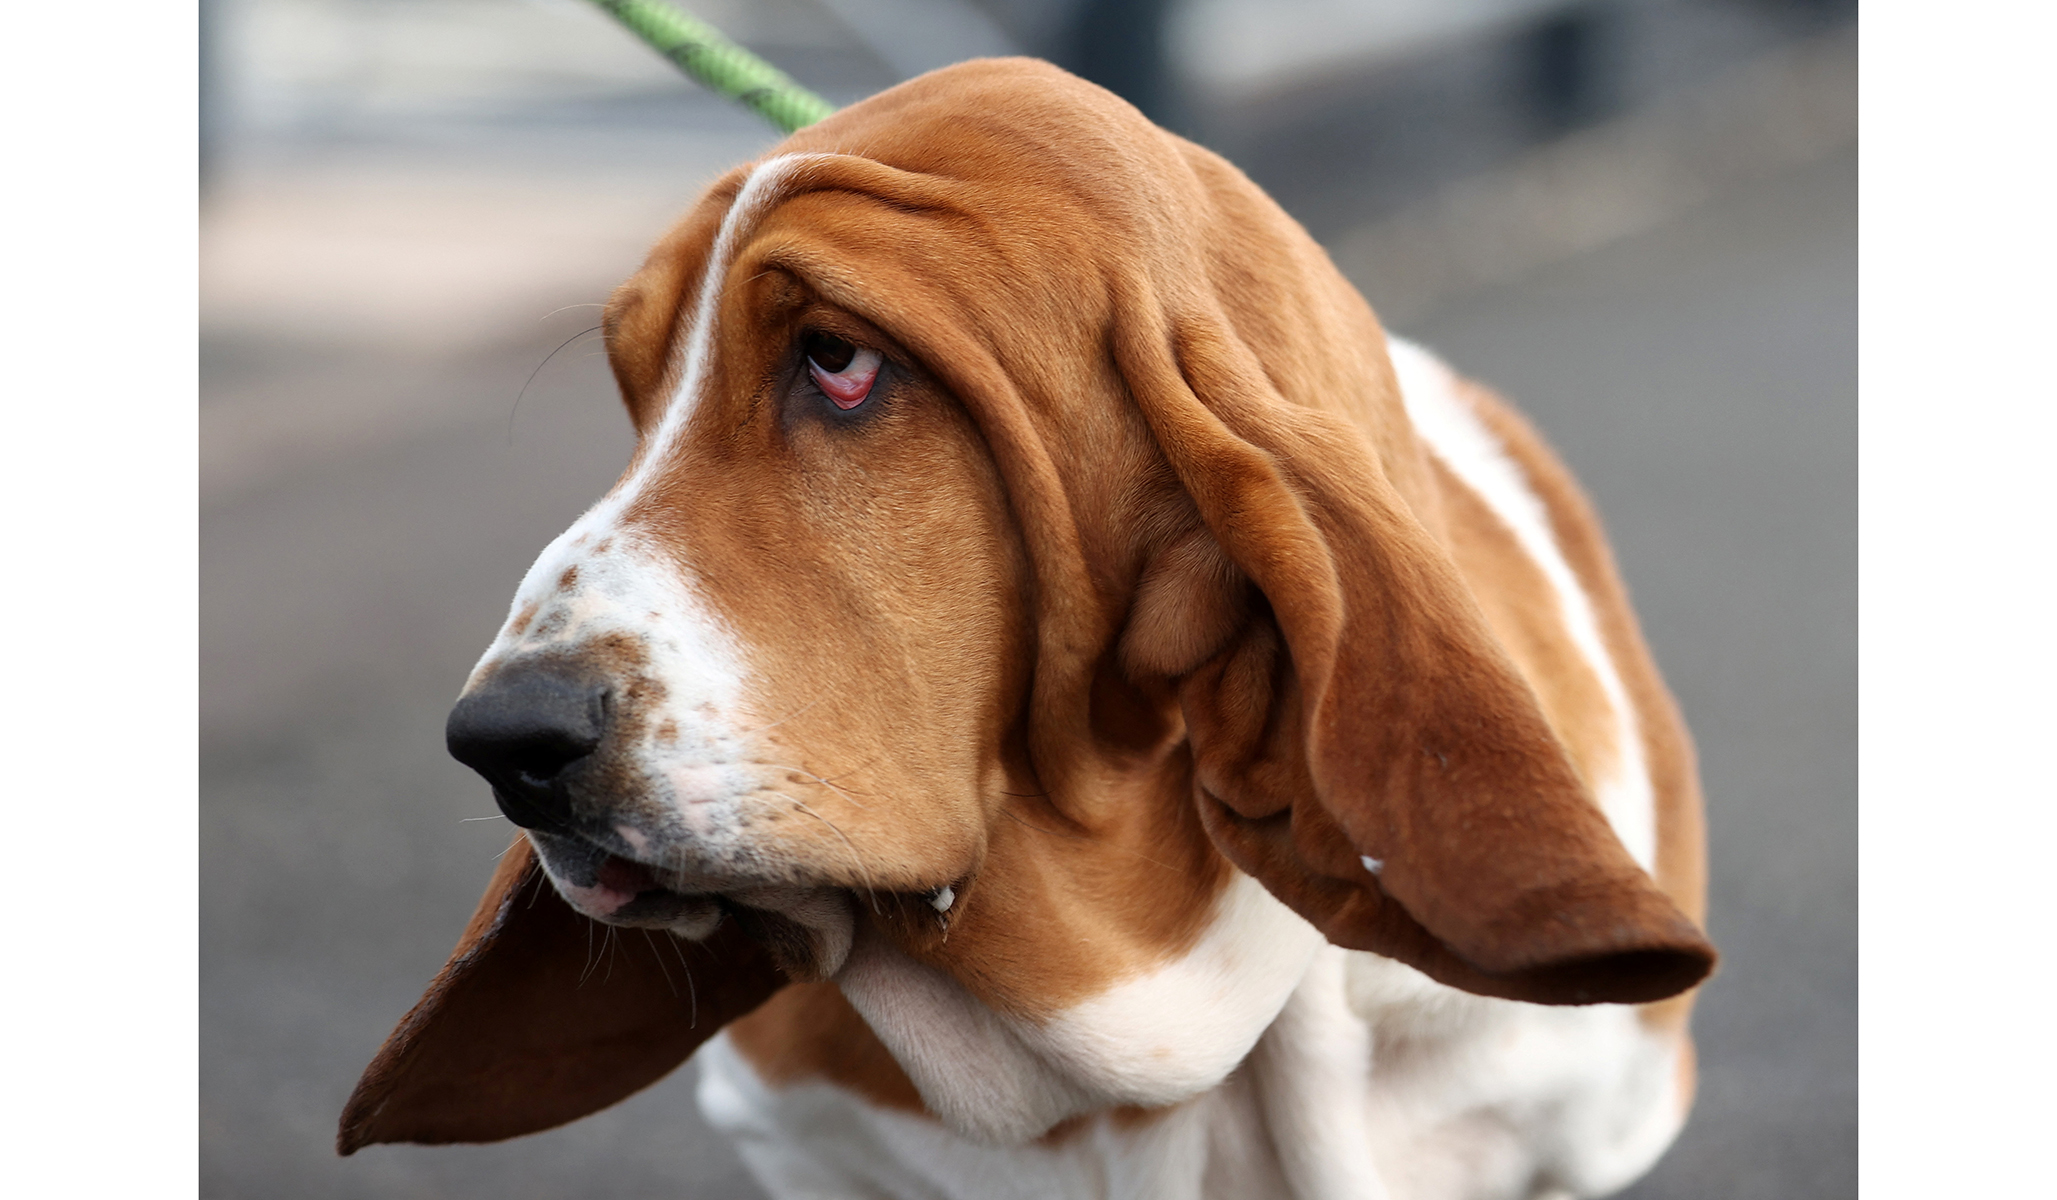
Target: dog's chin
x,y
807,930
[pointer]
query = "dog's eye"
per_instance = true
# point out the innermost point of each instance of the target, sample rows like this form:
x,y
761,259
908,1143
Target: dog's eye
x,y
843,370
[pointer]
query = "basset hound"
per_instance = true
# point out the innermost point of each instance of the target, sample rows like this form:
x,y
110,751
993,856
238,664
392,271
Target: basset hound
x,y
1060,704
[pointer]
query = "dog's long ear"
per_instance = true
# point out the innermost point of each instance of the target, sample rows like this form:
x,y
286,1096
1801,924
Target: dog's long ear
x,y
1361,744
539,1018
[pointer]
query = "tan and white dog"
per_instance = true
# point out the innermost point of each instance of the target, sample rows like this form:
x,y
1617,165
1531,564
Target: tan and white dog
x,y
1061,705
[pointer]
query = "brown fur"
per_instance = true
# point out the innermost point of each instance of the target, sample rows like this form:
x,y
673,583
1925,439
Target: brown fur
x,y
1133,572
540,1018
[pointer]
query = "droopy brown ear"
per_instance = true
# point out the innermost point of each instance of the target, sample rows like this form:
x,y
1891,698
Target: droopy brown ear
x,y
535,1022
1364,712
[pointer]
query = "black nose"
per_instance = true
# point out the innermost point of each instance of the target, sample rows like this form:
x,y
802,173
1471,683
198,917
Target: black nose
x,y
524,730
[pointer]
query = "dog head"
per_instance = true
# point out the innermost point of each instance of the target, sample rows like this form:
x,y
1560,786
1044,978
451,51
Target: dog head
x,y
1022,552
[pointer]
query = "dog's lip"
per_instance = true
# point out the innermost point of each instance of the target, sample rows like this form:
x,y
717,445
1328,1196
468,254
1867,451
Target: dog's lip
x,y
627,892
618,885
621,881
626,877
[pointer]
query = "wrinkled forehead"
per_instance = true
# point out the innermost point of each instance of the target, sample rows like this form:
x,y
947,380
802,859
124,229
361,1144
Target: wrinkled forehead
x,y
981,233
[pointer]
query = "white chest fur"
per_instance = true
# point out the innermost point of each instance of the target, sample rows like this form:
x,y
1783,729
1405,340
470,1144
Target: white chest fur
x,y
1155,1039
1371,1082
816,1140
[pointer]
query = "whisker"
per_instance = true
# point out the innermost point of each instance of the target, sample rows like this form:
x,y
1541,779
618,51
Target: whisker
x,y
852,771
512,412
782,720
494,817
870,892
661,968
583,975
843,792
692,993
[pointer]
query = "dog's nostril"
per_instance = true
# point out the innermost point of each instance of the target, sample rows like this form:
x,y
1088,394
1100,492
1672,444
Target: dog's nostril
x,y
524,731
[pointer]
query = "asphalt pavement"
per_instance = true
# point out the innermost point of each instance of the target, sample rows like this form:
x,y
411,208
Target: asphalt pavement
x,y
1700,378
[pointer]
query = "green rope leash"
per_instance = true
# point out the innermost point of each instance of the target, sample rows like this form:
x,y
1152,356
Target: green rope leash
x,y
721,66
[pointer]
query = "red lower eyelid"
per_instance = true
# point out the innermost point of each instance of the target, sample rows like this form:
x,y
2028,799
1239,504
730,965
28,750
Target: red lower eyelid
x,y
845,391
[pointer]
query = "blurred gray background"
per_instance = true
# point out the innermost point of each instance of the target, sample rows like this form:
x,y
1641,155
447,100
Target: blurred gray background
x,y
1635,217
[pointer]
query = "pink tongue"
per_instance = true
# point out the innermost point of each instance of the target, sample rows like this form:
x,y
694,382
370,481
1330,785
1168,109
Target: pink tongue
x,y
620,875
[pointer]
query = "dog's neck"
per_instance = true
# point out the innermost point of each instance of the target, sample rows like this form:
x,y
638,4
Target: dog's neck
x,y
1008,1079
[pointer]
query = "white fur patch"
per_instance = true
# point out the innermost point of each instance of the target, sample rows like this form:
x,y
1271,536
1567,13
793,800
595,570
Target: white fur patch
x,y
1373,1082
1224,992
1472,1096
975,1070
1312,1071
1155,1039
813,1141
1464,444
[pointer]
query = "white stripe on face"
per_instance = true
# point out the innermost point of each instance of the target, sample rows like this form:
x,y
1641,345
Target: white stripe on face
x,y
763,188
1464,444
606,592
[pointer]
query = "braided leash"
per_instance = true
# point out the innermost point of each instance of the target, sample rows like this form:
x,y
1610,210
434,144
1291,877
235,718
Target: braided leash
x,y
718,64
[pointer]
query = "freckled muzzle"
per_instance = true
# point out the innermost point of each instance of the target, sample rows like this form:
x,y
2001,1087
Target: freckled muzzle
x,y
534,729
542,729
